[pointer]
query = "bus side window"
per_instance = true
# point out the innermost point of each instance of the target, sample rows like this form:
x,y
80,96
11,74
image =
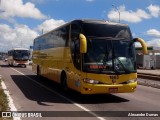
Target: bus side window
x,y
67,36
75,45
75,49
64,35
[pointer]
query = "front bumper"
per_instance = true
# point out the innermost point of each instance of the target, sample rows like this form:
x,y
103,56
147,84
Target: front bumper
x,y
103,89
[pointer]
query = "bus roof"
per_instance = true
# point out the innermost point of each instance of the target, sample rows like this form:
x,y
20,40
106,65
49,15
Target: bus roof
x,y
19,49
100,22
86,21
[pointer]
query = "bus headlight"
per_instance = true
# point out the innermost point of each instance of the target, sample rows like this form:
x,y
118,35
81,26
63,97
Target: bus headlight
x,y
132,81
90,81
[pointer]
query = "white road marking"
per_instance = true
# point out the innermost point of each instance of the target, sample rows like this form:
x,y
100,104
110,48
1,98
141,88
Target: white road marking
x,y
71,101
10,100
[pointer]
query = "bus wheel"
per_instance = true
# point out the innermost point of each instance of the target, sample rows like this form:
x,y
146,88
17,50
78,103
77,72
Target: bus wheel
x,y
64,81
8,64
24,66
38,72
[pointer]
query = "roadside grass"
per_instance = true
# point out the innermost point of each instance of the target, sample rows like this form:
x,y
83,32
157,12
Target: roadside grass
x,y
3,102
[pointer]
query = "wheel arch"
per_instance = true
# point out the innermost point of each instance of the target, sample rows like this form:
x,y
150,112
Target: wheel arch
x,y
61,77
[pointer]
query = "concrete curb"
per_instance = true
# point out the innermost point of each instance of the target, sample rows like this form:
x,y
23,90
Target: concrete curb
x,y
149,76
144,83
151,80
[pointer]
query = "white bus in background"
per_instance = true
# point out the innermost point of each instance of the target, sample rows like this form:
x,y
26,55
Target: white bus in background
x,y
18,57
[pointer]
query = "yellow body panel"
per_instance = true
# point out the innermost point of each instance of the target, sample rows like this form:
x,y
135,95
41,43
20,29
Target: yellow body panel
x,y
53,61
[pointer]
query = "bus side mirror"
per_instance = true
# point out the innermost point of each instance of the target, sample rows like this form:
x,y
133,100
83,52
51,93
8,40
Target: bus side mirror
x,y
83,43
143,44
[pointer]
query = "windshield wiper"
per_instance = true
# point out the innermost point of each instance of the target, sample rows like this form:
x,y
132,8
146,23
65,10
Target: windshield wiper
x,y
124,68
114,58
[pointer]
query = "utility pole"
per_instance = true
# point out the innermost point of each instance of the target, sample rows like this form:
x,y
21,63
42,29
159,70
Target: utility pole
x,y
1,11
117,11
42,31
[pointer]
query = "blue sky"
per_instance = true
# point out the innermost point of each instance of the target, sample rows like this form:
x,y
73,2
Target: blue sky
x,y
23,20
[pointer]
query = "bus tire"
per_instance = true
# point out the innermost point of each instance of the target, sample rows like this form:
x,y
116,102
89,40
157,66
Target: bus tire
x,y
38,72
8,64
64,81
24,66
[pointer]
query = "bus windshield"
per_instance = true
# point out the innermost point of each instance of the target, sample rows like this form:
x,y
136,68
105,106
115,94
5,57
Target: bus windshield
x,y
109,56
21,54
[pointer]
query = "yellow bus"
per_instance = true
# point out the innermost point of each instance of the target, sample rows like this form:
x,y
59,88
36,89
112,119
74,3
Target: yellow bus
x,y
18,57
88,56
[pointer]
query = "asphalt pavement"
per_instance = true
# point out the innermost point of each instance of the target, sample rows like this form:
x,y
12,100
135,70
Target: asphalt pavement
x,y
146,77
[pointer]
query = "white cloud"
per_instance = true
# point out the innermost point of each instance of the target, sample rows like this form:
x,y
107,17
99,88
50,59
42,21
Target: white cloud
x,y
16,8
154,10
49,25
137,44
129,16
154,42
153,33
154,37
19,36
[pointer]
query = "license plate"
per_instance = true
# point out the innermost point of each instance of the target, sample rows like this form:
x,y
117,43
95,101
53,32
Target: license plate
x,y
113,90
